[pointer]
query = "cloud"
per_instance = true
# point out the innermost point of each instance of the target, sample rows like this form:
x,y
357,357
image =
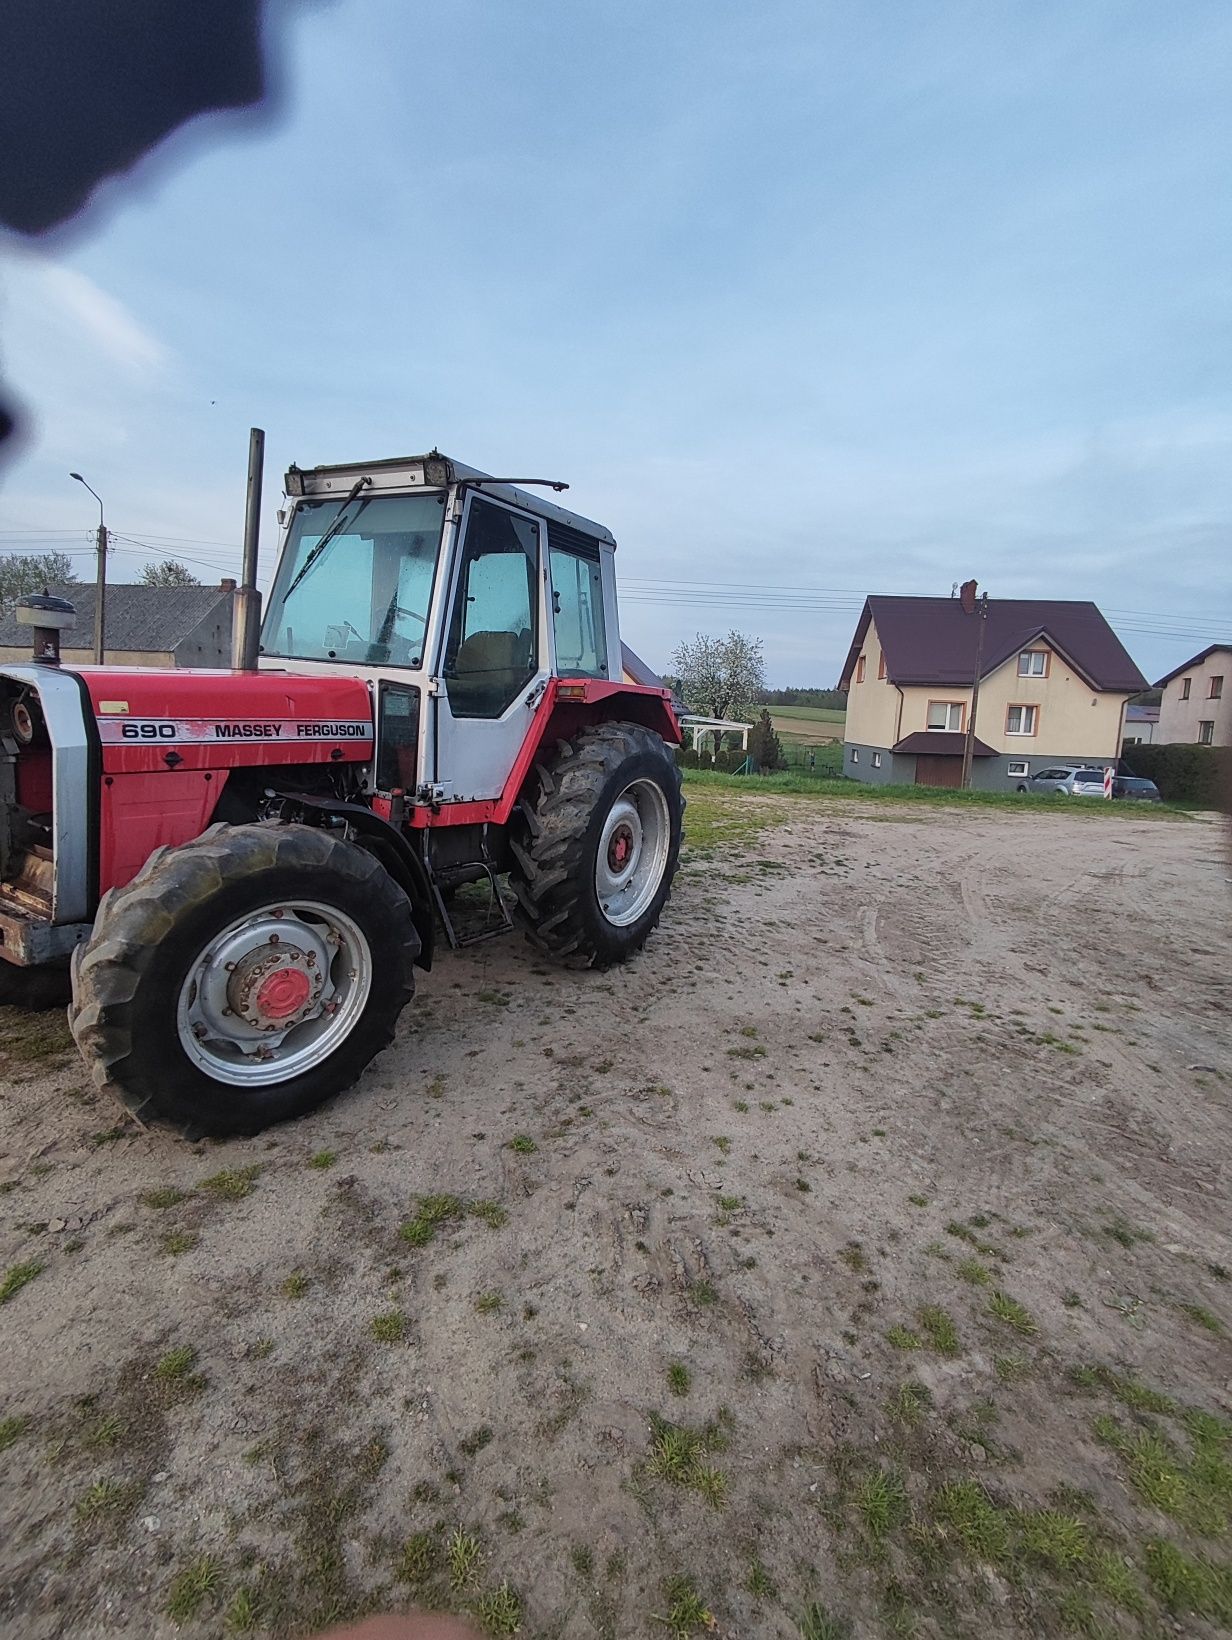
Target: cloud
x,y
104,322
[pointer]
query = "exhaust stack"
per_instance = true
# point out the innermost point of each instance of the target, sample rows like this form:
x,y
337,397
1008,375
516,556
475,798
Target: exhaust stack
x,y
246,616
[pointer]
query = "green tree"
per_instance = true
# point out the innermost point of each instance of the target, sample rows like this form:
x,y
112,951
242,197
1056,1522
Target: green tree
x,y
764,746
24,572
169,573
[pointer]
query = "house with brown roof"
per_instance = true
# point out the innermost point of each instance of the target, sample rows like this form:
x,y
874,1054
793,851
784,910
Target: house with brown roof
x,y
1195,708
1054,680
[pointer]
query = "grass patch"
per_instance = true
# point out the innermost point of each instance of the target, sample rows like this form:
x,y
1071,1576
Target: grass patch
x,y
1053,1538
463,1556
166,1196
970,1269
491,1213
817,1623
322,1159
104,1498
1195,1489
388,1327
419,1560
1189,1584
18,1276
759,1583
940,1329
903,1338
489,1303
677,1453
1121,1231
430,1213
1012,1313
176,1242
233,1183
191,1587
687,1611
12,1429
176,1366
679,1379
881,1499
243,1612
523,1144
499,1611
966,1514
295,1285
1202,1317
909,1403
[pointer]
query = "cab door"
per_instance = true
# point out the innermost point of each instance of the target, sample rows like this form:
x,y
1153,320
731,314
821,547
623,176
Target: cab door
x,y
494,661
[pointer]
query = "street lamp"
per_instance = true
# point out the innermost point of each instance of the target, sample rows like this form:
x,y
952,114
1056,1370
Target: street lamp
x,y
100,584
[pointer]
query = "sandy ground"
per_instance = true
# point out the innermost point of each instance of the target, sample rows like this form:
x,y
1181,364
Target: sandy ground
x,y
876,1067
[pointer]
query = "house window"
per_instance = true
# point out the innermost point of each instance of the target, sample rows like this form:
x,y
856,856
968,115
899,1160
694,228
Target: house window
x,y
1186,684
1021,720
881,666
1206,733
855,754
1215,692
860,670
876,760
1033,663
945,714
1017,766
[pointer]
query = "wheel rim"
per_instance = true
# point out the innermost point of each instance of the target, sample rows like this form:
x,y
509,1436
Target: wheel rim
x,y
632,854
274,994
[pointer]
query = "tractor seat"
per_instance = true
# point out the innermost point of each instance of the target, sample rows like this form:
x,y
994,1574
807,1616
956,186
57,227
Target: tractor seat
x,y
489,670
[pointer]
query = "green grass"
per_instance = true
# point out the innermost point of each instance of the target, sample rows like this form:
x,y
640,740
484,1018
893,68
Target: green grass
x,y
176,1242
1012,1313
295,1285
323,1159
105,1497
491,1213
523,1144
243,1612
430,1213
1186,1584
1053,1538
18,1276
679,1379
389,1327
801,785
902,1338
909,1403
677,1453
463,1557
759,1583
966,1514
687,1611
418,1562
970,1269
176,1365
816,1623
499,1610
166,1196
881,1499
192,1587
12,1429
1202,1317
233,1183
940,1329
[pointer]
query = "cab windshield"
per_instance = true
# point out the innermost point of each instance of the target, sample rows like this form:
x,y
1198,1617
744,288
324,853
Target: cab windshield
x,y
363,595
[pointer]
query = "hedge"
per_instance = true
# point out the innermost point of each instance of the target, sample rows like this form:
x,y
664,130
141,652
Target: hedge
x,y
1183,773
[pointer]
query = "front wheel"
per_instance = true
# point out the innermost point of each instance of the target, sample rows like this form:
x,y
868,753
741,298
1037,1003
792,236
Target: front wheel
x,y
243,979
599,844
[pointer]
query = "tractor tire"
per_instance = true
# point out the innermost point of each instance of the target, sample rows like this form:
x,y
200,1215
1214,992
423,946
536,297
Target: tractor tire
x,y
597,843
34,989
244,978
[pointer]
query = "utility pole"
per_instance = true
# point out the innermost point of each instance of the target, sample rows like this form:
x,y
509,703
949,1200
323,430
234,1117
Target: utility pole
x,y
100,580
979,609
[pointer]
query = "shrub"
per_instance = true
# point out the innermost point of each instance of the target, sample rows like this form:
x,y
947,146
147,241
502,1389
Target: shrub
x,y
1183,773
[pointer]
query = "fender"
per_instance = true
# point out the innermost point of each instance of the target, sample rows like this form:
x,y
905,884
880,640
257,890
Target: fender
x,y
389,846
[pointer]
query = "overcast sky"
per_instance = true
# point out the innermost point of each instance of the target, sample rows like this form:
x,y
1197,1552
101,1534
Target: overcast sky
x,y
804,300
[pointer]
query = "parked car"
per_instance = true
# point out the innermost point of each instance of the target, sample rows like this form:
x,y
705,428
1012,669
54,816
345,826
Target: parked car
x,y
1066,780
1135,788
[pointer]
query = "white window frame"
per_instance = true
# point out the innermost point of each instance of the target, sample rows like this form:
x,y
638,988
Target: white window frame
x,y
876,760
1031,670
946,728
1203,738
1017,766
855,754
1025,708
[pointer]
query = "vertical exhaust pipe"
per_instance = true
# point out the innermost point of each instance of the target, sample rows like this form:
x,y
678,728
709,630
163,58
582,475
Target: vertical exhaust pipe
x,y
246,613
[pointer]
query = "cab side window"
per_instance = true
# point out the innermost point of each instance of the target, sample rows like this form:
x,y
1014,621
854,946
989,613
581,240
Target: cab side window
x,y
577,607
492,648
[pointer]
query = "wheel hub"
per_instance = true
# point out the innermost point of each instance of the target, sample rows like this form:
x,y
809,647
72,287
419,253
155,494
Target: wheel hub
x,y
620,847
273,984
632,853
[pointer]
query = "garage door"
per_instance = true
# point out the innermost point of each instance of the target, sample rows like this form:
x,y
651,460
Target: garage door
x,y
938,771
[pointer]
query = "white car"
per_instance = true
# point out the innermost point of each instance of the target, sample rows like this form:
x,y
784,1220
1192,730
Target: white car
x,y
1066,780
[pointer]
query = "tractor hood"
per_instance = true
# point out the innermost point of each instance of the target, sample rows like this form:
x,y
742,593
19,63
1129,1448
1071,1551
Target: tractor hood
x,y
153,720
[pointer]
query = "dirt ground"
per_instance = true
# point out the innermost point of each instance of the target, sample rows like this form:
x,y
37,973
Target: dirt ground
x,y
855,1261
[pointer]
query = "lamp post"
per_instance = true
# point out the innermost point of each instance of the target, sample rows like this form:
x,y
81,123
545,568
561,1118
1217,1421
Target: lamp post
x,y
100,583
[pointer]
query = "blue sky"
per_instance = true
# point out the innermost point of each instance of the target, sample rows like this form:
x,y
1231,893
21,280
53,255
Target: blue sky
x,y
824,299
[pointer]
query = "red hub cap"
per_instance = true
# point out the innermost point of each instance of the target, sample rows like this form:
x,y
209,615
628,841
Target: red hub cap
x,y
284,993
619,848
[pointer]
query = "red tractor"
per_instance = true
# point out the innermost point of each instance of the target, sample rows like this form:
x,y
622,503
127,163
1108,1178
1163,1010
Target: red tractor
x,y
243,869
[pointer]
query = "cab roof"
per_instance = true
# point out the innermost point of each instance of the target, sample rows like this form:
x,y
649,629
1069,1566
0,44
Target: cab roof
x,y
431,472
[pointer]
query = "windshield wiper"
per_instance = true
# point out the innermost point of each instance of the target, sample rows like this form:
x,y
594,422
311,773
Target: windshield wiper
x,y
330,533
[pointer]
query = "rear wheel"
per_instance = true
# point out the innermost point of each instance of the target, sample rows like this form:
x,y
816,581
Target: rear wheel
x,y
599,843
243,979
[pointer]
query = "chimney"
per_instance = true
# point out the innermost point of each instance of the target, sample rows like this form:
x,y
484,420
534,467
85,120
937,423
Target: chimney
x,y
227,584
966,594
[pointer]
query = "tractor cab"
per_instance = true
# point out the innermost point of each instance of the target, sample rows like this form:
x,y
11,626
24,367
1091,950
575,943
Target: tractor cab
x,y
457,595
